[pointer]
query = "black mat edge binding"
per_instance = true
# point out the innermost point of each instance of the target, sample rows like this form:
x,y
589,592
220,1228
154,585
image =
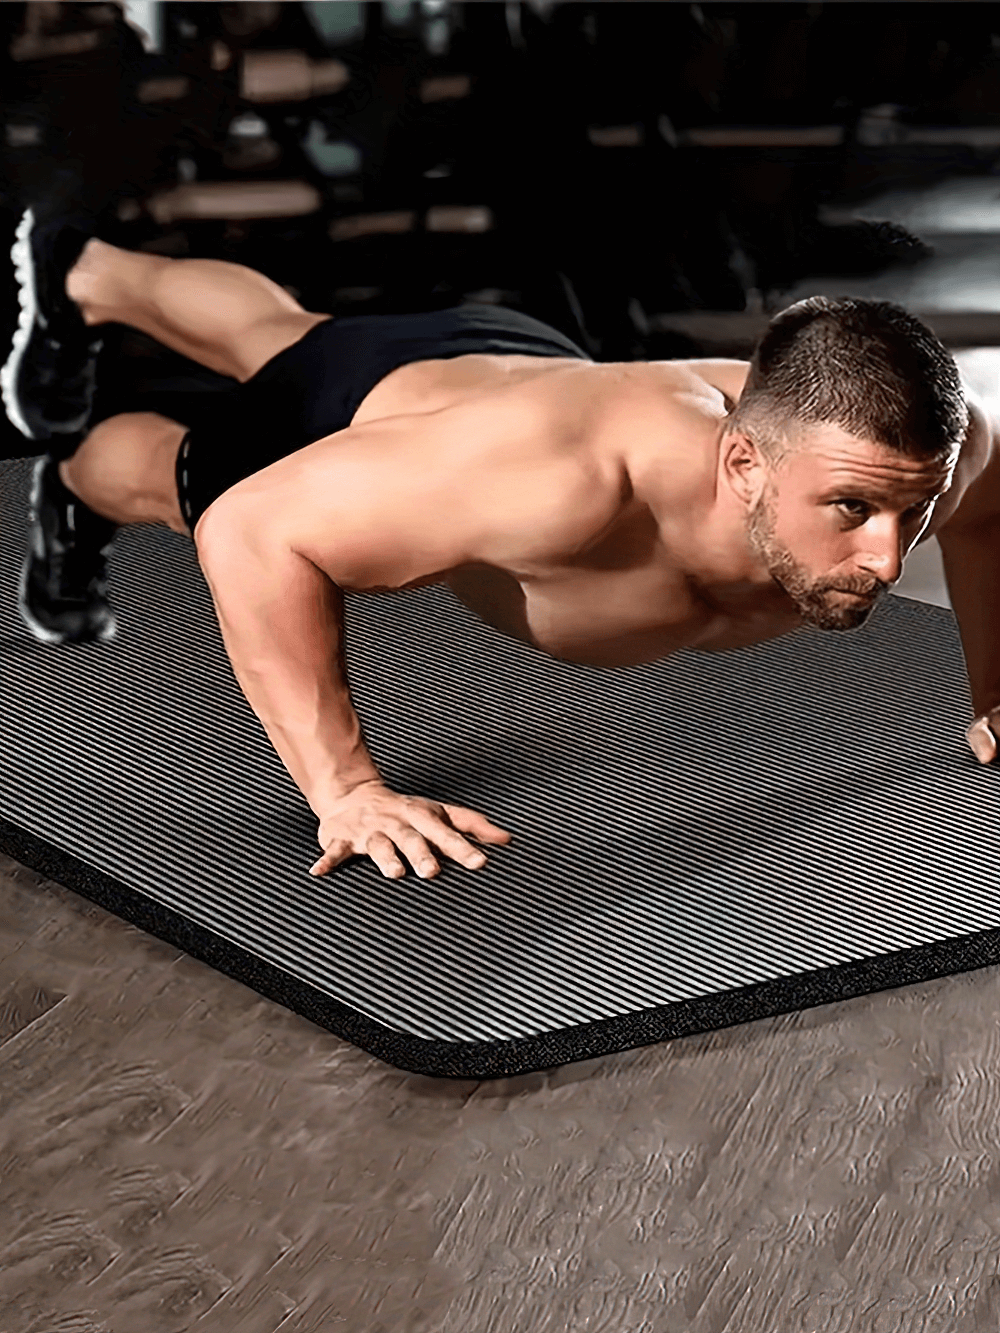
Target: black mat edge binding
x,y
522,1055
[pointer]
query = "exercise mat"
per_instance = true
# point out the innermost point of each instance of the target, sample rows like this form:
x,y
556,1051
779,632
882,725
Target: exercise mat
x,y
697,842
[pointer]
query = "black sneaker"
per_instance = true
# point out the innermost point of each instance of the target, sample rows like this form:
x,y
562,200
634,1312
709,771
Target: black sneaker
x,y
64,582
48,380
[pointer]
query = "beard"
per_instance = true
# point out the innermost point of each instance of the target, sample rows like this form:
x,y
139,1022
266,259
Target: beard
x,y
819,602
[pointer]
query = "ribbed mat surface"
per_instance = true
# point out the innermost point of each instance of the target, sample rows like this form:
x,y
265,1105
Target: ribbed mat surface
x,y
697,842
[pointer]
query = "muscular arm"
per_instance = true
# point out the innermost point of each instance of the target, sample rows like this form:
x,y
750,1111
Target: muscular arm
x,y
389,504
282,622
356,504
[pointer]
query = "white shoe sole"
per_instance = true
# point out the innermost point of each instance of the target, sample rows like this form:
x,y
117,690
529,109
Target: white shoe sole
x,y
27,296
24,272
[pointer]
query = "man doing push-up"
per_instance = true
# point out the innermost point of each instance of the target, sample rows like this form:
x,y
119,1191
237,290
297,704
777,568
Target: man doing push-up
x,y
606,514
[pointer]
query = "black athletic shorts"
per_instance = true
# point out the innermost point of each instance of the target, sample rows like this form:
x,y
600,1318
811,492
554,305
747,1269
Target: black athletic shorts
x,y
314,387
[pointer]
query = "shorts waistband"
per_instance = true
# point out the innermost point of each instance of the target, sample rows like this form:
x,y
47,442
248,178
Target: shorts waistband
x,y
181,472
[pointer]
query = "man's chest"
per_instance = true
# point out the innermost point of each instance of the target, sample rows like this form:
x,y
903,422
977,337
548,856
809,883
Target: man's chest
x,y
606,617
626,616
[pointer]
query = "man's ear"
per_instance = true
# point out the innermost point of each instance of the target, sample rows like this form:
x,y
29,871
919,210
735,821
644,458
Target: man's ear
x,y
744,466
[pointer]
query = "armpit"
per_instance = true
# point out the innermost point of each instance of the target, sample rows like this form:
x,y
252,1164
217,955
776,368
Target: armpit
x,y
493,595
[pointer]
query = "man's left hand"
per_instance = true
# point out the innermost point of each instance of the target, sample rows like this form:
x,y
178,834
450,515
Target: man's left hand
x,y
982,735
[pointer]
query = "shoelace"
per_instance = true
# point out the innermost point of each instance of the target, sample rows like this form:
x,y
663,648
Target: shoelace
x,y
60,351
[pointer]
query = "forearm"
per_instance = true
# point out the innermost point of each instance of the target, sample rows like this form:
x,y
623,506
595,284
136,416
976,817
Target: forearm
x,y
972,569
282,623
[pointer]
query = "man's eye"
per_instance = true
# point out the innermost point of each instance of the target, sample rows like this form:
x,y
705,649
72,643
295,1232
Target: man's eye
x,y
860,509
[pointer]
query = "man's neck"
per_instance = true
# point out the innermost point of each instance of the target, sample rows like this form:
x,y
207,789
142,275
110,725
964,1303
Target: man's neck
x,y
718,559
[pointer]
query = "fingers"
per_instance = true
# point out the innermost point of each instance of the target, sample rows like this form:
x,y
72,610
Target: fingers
x,y
470,821
429,832
379,847
334,854
381,850
982,741
415,829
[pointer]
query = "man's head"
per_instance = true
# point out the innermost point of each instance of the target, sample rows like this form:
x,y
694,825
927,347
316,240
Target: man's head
x,y
848,428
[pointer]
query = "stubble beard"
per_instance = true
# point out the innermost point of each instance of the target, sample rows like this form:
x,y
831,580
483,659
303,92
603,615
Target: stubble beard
x,y
816,600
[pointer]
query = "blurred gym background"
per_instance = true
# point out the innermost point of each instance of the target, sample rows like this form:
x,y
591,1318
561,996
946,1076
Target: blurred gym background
x,y
652,178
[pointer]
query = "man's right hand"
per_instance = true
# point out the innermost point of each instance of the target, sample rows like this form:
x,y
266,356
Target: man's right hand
x,y
370,820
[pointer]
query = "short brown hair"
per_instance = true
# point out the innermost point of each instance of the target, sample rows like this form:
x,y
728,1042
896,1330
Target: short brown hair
x,y
869,367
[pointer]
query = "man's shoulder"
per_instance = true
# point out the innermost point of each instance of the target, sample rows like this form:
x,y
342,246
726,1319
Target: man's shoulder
x,y
975,486
710,387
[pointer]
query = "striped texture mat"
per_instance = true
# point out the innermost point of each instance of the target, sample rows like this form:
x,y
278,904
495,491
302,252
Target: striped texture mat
x,y
698,842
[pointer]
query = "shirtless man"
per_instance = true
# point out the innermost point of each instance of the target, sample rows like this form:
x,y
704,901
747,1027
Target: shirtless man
x,y
605,514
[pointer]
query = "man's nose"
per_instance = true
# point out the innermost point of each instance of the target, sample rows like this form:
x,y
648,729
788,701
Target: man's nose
x,y
883,558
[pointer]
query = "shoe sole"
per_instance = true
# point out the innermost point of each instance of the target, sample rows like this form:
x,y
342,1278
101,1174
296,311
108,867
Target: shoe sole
x,y
27,299
27,296
42,632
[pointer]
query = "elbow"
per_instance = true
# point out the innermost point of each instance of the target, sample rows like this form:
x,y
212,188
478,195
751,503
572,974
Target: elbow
x,y
222,528
239,537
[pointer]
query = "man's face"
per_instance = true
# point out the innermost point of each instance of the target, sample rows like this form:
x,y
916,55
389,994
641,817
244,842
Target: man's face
x,y
838,518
